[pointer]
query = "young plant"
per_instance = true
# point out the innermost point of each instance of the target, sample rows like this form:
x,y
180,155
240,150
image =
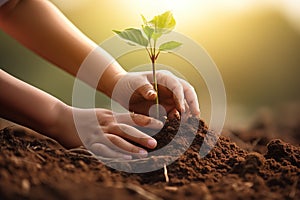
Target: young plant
x,y
148,36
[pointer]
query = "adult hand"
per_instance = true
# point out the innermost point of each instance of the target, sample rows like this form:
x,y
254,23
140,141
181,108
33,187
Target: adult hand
x,y
135,92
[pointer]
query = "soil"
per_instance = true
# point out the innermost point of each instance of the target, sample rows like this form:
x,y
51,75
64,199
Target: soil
x,y
35,167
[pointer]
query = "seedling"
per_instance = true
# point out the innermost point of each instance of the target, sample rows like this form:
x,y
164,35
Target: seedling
x,y
148,36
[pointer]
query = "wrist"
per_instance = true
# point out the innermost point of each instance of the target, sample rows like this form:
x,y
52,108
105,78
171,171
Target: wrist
x,y
63,129
110,78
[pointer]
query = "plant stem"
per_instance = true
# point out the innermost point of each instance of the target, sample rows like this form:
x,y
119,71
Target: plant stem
x,y
155,86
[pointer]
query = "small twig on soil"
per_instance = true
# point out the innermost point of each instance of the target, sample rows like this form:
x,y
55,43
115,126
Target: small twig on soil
x,y
147,195
140,160
171,188
81,151
37,154
166,173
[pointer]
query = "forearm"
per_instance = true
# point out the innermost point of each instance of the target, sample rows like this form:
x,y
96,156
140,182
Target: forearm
x,y
33,108
41,27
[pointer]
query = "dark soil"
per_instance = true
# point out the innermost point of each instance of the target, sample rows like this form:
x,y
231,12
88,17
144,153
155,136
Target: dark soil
x,y
35,167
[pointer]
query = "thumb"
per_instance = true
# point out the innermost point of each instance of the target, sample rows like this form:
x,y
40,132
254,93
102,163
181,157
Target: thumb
x,y
147,91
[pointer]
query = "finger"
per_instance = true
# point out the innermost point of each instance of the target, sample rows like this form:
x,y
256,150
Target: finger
x,y
174,114
147,91
187,108
179,97
133,119
104,116
174,85
104,151
123,146
178,104
187,113
191,98
132,134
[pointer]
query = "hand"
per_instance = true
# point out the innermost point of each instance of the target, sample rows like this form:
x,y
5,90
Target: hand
x,y
135,92
109,134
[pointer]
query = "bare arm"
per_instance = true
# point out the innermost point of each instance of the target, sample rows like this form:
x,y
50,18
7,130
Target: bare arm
x,y
41,27
31,107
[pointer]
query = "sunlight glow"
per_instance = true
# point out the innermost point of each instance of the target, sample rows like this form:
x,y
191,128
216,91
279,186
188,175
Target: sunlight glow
x,y
189,12
180,8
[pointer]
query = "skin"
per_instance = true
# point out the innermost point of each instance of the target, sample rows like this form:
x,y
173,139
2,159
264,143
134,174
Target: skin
x,y
33,108
61,43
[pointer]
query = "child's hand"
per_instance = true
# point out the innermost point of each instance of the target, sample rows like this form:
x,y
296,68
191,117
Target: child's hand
x,y
108,134
135,92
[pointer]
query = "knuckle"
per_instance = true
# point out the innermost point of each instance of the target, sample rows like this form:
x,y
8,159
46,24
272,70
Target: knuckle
x,y
177,88
104,122
114,139
140,120
142,140
137,82
112,127
133,149
124,128
187,85
191,101
191,88
108,112
184,82
104,118
165,72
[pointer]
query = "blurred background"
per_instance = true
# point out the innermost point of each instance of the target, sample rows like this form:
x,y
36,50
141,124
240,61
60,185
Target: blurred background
x,y
255,44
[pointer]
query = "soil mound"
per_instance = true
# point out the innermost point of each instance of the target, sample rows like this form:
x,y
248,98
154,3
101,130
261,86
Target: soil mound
x,y
36,167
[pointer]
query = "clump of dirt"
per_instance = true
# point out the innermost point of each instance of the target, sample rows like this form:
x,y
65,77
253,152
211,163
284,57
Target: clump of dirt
x,y
36,167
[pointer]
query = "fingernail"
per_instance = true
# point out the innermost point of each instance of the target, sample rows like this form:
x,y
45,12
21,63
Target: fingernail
x,y
178,116
151,93
127,157
152,143
159,123
143,152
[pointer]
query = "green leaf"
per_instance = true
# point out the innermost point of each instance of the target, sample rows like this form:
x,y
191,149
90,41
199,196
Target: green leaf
x,y
133,35
163,23
148,31
131,44
156,35
169,46
116,31
144,19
